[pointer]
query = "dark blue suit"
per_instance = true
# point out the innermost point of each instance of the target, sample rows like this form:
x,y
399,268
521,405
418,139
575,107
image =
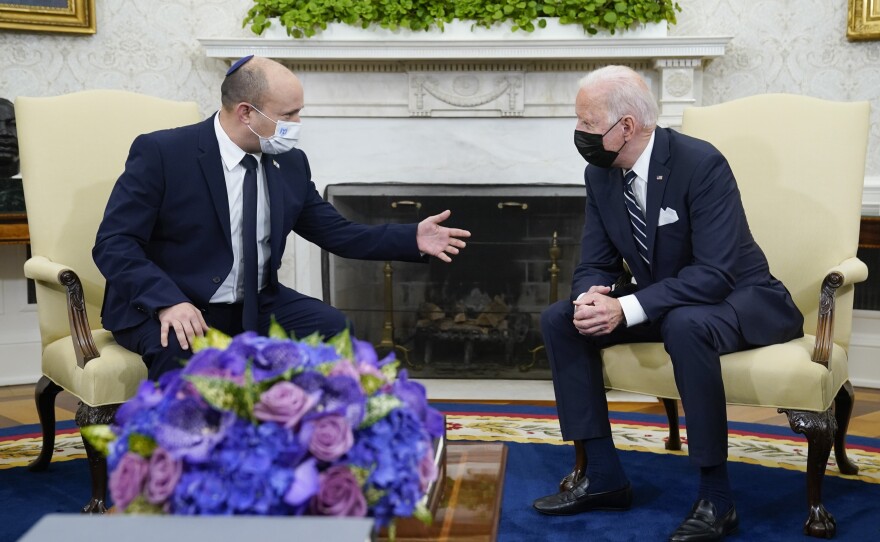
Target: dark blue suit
x,y
165,237
707,292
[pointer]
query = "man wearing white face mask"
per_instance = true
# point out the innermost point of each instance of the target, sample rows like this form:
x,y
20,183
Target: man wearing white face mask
x,y
196,225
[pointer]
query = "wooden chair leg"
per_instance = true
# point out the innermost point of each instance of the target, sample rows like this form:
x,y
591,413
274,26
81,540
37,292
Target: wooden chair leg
x,y
843,407
44,396
674,440
819,428
580,467
101,415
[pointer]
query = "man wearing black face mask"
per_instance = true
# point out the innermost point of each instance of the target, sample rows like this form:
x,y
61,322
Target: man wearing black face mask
x,y
668,205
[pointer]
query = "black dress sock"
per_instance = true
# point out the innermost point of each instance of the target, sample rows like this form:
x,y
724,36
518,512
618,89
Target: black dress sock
x,y
715,487
603,465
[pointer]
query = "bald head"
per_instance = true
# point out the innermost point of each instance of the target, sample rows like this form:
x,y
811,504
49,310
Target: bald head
x,y
256,95
621,91
255,81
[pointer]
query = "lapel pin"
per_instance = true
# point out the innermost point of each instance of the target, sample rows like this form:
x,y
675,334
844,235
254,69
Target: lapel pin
x,y
274,163
659,177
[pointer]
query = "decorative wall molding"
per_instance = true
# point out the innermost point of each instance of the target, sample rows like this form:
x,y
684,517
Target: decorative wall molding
x,y
471,93
513,77
513,49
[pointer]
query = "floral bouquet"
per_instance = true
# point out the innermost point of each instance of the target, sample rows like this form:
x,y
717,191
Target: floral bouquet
x,y
273,426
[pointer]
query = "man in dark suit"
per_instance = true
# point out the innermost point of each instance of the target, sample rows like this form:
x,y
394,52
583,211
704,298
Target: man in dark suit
x,y
668,206
171,243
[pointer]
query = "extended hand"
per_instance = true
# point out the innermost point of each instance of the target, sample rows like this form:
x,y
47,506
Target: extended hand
x,y
187,322
438,240
597,314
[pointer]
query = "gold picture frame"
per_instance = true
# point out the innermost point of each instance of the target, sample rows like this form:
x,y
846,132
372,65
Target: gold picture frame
x,y
863,20
65,16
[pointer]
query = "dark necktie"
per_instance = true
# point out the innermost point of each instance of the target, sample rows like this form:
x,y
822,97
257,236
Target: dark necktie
x,y
636,217
249,316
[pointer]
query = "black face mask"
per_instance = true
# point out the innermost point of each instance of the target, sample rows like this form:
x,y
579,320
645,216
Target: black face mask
x,y
593,150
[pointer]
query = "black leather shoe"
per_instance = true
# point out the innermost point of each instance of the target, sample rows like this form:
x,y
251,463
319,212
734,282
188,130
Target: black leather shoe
x,y
703,523
579,499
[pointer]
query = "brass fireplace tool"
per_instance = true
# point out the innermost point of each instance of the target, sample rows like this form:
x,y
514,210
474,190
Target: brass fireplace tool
x,y
387,342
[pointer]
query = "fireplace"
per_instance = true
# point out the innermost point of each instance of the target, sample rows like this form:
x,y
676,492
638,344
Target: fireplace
x,y
465,125
477,317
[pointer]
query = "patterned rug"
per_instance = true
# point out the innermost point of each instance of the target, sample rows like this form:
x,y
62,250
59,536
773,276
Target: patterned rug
x,y
756,444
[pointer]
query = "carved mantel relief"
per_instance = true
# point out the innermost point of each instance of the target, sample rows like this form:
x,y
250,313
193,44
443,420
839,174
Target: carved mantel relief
x,y
478,78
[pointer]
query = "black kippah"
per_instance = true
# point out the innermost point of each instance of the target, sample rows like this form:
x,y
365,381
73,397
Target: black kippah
x,y
238,64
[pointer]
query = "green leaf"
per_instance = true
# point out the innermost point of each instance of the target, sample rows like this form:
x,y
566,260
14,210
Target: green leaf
x,y
140,505
389,370
371,384
221,394
141,444
99,436
343,344
378,407
315,339
422,513
303,18
214,338
276,331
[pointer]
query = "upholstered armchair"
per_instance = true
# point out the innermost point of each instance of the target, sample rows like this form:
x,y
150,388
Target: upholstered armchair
x,y
799,163
73,148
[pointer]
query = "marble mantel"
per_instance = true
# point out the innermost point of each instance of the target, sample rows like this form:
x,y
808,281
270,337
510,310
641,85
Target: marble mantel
x,y
513,77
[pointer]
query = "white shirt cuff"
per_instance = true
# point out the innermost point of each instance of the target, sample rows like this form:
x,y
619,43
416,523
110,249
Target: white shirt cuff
x,y
632,310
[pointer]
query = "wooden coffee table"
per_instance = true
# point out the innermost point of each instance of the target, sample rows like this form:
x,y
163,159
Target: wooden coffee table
x,y
471,504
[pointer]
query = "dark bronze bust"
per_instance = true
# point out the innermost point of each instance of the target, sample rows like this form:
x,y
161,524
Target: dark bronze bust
x,y
8,140
11,195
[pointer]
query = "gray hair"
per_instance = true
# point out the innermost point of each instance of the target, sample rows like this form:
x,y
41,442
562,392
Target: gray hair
x,y
623,92
246,84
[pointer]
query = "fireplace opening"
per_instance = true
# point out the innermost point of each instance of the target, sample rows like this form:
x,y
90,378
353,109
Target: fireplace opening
x,y
478,317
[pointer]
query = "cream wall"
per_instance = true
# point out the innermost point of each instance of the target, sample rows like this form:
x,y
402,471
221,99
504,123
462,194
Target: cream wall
x,y
796,46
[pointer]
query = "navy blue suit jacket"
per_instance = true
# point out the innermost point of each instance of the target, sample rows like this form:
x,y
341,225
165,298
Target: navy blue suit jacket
x,y
706,256
165,237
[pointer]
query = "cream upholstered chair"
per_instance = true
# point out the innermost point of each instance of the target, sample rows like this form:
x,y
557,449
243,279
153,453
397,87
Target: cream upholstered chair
x,y
799,163
73,148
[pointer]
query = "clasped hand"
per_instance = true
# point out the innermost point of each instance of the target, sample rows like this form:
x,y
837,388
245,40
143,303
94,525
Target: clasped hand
x,y
595,313
440,241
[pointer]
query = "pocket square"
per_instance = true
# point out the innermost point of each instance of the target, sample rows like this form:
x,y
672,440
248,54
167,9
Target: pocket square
x,y
667,216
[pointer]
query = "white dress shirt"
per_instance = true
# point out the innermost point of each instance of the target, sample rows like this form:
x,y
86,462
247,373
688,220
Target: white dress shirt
x,y
232,289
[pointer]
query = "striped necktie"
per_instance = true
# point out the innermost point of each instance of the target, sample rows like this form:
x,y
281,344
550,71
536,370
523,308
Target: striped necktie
x,y
636,216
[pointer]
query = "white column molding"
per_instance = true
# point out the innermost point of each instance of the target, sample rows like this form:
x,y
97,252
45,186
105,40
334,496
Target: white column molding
x,y
681,84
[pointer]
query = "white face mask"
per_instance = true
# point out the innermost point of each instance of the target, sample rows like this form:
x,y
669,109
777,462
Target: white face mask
x,y
285,137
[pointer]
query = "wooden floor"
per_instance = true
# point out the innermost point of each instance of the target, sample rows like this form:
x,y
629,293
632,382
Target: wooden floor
x,y
17,407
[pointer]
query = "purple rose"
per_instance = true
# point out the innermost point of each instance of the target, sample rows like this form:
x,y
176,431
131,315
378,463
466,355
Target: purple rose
x,y
339,494
331,437
127,480
163,476
284,403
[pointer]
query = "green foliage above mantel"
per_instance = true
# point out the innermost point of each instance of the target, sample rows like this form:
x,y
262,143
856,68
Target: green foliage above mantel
x,y
303,18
